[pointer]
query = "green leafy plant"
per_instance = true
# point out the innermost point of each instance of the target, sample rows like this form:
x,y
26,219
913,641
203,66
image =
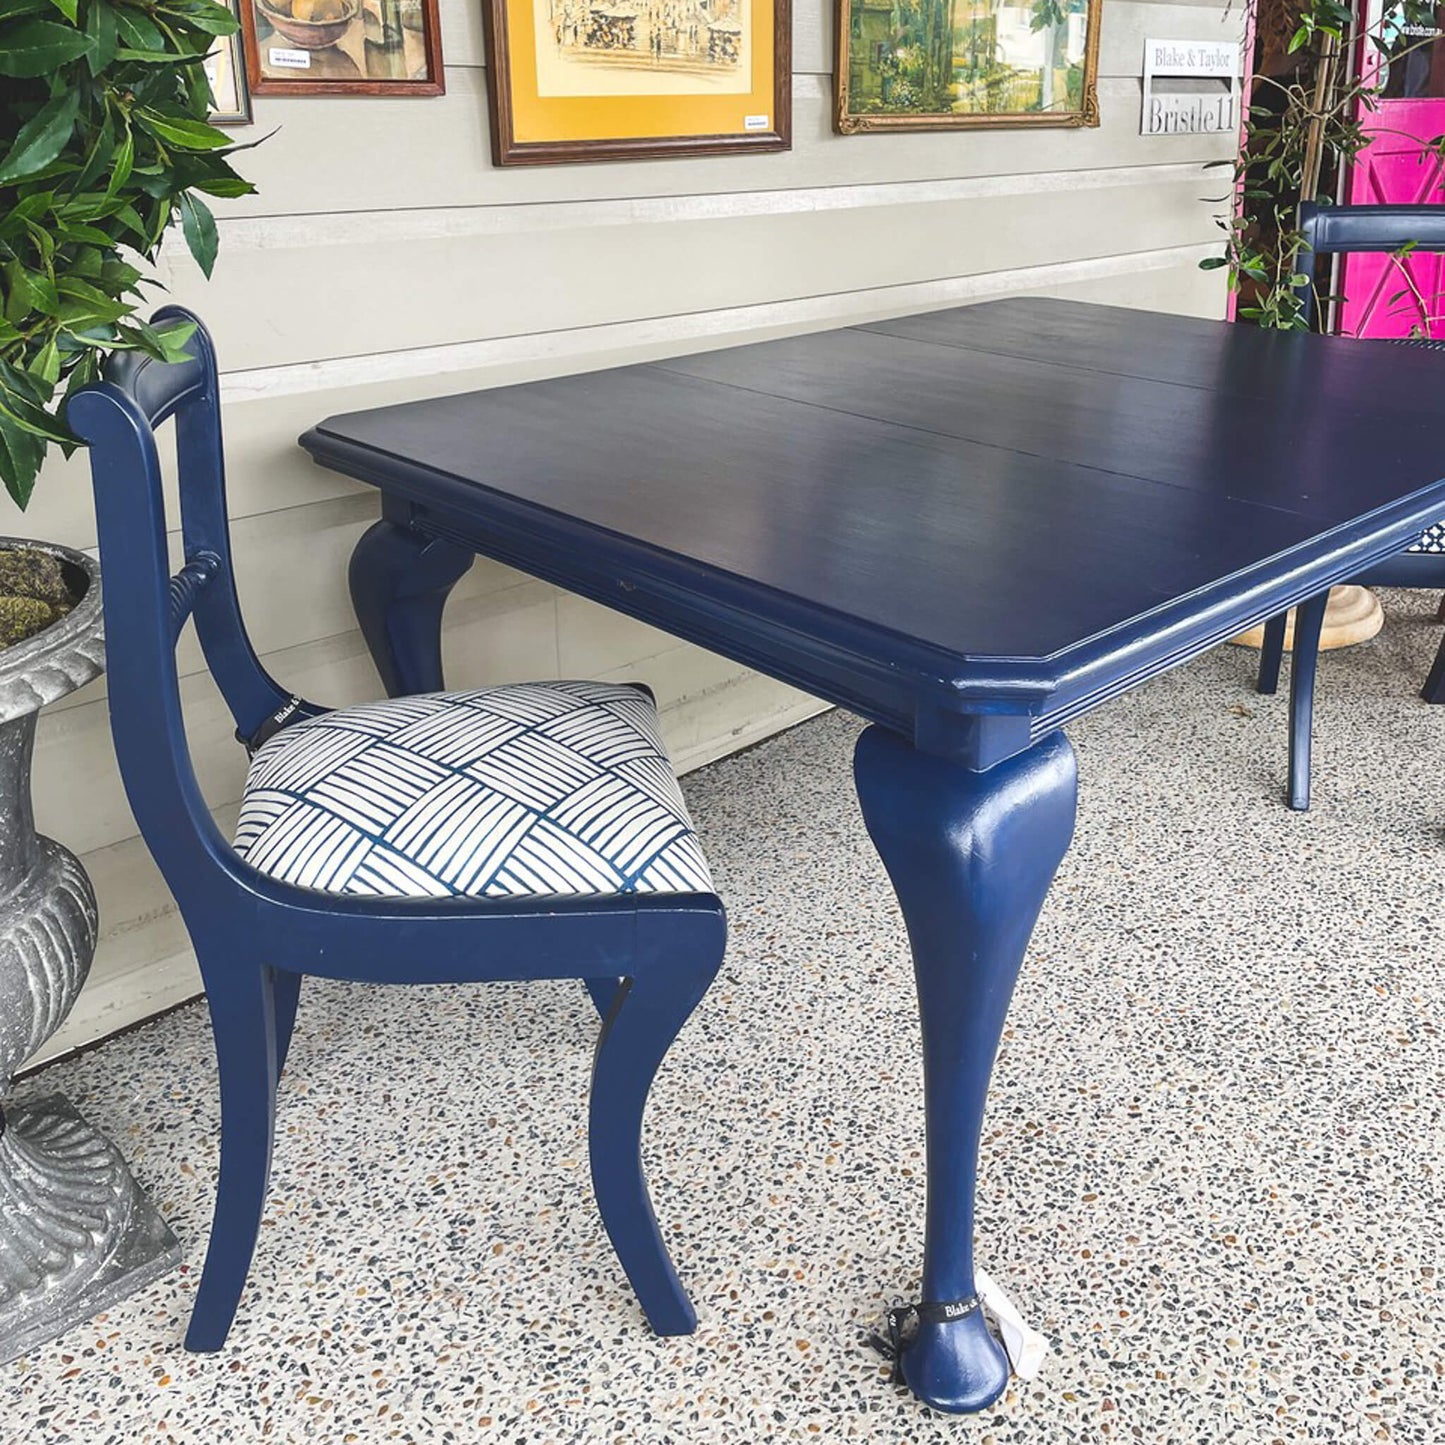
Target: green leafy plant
x,y
1299,132
105,143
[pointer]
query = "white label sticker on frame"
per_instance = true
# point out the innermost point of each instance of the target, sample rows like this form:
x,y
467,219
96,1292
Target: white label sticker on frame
x,y
755,122
289,59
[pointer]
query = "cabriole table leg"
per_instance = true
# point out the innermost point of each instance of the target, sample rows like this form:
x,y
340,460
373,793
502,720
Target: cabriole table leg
x,y
400,581
971,856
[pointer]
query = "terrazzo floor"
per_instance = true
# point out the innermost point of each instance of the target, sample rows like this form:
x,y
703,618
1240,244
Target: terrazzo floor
x,y
1212,1172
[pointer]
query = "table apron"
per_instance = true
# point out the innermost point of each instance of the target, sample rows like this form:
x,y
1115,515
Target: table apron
x,y
987,711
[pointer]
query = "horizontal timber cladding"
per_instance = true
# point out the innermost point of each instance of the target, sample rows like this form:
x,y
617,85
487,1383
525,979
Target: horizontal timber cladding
x,y
410,170
443,288
386,259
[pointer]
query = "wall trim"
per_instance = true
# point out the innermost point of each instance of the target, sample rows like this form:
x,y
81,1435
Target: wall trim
x,y
430,223
730,324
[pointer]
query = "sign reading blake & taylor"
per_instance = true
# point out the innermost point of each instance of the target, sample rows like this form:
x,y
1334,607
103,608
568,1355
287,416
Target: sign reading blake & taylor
x,y
1190,87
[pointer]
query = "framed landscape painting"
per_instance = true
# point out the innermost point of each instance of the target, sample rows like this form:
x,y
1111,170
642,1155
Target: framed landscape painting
x,y
343,47
578,80
941,64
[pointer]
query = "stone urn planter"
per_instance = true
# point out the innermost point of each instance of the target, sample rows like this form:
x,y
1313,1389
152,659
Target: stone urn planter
x,y
76,1233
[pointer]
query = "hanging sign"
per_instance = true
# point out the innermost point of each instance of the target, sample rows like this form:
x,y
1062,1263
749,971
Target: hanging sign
x,y
1191,87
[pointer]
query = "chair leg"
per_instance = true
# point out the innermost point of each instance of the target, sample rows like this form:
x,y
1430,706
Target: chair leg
x,y
244,1021
604,993
642,1023
1308,619
1440,610
287,988
1434,689
1271,654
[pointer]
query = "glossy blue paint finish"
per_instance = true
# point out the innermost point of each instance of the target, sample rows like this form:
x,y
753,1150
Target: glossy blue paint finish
x,y
967,527
971,856
400,582
1271,654
1434,689
969,533
256,938
1333,230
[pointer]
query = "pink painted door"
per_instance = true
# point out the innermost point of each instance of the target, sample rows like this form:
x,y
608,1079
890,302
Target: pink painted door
x,y
1398,295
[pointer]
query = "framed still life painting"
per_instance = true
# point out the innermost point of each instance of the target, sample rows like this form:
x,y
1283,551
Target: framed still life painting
x,y
944,64
583,80
343,47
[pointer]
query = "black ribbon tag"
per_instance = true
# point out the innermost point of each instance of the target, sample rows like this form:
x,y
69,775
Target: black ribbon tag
x,y
902,1322
284,714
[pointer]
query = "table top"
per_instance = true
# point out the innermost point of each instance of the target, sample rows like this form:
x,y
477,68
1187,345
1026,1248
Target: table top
x,y
970,524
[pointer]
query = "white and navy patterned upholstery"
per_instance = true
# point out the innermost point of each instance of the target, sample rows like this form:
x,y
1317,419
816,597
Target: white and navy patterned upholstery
x,y
1431,540
504,792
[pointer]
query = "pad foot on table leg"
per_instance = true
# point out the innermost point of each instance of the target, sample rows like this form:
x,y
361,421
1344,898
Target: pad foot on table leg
x,y
956,1365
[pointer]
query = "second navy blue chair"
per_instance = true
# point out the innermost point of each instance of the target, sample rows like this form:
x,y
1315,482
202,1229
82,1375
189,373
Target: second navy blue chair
x,y
522,832
1329,230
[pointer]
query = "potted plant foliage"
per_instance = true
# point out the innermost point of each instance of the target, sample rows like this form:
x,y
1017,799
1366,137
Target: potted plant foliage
x,y
104,143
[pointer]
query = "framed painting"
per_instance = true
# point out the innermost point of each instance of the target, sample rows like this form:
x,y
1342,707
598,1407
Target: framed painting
x,y
342,47
225,70
601,80
941,64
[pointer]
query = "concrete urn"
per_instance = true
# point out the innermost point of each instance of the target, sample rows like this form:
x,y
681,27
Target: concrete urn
x,y
76,1233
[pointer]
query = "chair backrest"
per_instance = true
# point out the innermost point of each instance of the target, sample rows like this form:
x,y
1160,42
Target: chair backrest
x,y
146,607
1329,230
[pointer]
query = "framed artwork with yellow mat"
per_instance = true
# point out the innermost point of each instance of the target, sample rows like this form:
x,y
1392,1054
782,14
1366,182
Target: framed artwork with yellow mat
x,y
343,47
602,80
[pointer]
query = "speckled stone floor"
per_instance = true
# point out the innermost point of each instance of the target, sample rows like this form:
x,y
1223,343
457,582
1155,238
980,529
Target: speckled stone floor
x,y
1212,1173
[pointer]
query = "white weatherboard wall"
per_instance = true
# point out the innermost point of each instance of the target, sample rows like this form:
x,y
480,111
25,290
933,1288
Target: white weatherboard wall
x,y
385,258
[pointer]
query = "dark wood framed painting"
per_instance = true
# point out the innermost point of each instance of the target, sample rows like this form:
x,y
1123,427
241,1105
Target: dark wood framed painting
x,y
579,80
945,64
343,47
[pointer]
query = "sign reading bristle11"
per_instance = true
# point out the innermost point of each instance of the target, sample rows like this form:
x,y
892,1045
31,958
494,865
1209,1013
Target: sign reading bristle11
x,y
1191,87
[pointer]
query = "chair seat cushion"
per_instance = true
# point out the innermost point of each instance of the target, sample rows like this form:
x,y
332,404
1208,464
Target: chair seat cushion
x,y
1431,540
533,789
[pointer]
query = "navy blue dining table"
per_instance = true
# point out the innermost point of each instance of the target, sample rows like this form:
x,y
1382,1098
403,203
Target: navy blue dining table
x,y
968,527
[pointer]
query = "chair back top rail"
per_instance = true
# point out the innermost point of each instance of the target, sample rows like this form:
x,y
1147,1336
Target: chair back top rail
x,y
1332,230
159,389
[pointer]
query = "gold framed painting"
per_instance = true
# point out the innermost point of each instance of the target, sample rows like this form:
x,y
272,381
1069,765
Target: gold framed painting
x,y
343,47
943,64
579,80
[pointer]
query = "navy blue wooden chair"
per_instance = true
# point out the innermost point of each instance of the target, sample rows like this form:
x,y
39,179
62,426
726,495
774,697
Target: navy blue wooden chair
x,y
522,832
1329,230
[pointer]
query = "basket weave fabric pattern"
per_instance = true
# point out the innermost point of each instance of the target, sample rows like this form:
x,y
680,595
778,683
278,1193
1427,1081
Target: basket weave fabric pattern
x,y
530,789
